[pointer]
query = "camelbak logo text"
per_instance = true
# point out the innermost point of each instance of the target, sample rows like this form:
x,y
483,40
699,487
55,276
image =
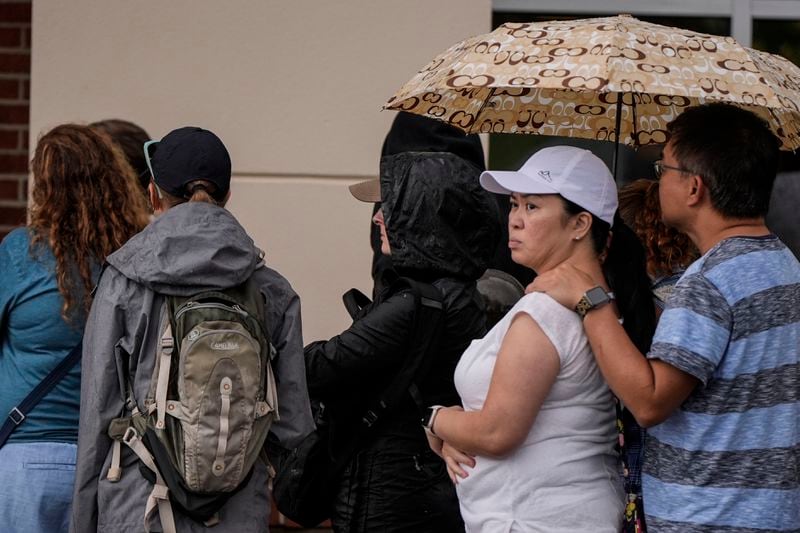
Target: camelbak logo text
x,y
225,346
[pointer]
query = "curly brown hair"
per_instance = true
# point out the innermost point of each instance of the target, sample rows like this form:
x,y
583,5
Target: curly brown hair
x,y
85,204
668,250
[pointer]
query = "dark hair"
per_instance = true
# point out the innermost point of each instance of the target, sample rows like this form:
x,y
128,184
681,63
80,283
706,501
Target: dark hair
x,y
625,269
667,249
130,138
85,204
735,153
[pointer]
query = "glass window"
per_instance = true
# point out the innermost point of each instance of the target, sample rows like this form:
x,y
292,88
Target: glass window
x,y
780,37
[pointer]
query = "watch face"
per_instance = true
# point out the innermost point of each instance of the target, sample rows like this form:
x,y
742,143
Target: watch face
x,y
426,418
597,296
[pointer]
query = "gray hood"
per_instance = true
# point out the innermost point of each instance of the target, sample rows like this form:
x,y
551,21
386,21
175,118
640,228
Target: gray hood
x,y
192,247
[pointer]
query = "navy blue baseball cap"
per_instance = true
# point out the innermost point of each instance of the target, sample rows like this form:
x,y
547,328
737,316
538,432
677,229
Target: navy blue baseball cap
x,y
188,154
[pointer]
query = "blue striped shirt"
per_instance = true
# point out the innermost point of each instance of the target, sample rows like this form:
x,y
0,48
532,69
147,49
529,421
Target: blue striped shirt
x,y
728,460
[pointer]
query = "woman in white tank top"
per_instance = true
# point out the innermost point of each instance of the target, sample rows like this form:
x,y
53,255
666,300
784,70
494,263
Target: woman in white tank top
x,y
533,448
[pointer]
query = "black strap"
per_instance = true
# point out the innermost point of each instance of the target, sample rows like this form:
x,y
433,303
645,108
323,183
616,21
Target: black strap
x,y
426,325
18,414
354,301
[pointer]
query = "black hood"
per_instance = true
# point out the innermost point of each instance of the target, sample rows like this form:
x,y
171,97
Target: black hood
x,y
416,133
440,221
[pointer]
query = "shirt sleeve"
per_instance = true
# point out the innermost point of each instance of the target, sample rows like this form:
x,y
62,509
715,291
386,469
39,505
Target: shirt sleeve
x,y
9,280
562,326
694,330
374,343
101,398
294,408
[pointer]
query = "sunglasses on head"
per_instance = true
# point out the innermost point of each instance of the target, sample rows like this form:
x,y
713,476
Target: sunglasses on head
x,y
149,151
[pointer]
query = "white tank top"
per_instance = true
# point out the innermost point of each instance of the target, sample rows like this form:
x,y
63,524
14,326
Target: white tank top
x,y
565,475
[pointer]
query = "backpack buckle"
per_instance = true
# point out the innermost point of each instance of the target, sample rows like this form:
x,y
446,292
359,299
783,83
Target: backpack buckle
x,y
16,416
130,435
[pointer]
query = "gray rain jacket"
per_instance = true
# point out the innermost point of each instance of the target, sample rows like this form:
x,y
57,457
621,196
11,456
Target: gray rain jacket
x,y
192,247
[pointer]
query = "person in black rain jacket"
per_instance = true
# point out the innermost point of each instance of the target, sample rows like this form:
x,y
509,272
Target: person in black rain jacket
x,y
440,228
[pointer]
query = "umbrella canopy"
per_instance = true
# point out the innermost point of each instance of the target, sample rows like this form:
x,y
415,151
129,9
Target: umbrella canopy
x,y
611,78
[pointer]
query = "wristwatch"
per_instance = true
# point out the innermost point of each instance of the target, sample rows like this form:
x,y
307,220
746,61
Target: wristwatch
x,y
430,417
593,298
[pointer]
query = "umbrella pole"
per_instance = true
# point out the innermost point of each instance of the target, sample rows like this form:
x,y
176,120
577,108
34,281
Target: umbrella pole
x,y
616,136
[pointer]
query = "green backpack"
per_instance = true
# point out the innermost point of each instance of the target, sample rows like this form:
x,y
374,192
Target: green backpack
x,y
210,404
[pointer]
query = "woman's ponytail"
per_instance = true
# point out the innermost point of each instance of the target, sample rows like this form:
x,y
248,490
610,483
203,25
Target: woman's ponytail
x,y
625,268
198,192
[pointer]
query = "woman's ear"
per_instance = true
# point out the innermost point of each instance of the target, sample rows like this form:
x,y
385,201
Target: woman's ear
x,y
581,223
155,201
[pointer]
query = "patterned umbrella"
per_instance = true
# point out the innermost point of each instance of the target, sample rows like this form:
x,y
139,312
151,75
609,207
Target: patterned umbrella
x,y
613,78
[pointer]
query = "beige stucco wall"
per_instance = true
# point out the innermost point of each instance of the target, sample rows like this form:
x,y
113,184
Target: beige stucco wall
x,y
294,88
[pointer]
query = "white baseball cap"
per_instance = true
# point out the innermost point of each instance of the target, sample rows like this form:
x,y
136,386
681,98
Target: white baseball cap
x,y
576,174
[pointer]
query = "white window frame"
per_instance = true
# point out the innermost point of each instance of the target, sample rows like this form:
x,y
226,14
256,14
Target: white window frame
x,y
740,12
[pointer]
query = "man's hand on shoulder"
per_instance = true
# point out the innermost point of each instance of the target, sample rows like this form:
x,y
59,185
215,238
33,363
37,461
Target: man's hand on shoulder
x,y
566,284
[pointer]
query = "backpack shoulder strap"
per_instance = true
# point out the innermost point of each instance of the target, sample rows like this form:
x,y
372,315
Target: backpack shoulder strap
x,y
18,414
426,324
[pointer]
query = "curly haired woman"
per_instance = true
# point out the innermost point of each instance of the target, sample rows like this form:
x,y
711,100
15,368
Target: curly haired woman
x,y
668,250
85,204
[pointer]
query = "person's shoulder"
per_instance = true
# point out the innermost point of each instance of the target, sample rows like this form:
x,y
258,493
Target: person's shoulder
x,y
398,297
113,286
273,281
395,303
542,302
277,290
18,240
732,251
737,263
15,252
552,317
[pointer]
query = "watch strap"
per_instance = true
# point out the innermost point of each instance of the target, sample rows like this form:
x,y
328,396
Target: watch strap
x,y
430,419
588,302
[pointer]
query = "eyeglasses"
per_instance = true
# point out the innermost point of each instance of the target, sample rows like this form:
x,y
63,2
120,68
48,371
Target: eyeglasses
x,y
660,167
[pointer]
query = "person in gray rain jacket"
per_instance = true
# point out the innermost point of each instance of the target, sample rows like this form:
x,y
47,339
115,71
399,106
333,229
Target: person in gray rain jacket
x,y
194,244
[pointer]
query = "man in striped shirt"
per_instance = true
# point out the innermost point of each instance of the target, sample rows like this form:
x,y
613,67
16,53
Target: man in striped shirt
x,y
720,386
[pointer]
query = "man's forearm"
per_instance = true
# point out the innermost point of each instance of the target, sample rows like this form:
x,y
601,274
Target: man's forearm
x,y
651,389
627,371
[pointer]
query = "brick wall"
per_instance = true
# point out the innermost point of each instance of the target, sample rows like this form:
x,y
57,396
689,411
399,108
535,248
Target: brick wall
x,y
15,74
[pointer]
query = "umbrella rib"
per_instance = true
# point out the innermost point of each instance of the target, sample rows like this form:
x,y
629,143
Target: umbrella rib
x,y
617,127
634,138
483,105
